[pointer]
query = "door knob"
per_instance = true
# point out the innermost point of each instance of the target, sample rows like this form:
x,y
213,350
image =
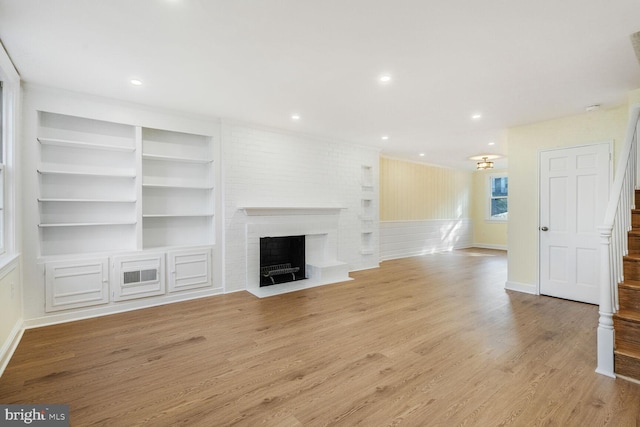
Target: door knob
x,y
544,228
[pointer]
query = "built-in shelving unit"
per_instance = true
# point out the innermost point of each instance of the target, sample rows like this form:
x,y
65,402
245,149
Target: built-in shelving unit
x,y
86,171
366,180
177,185
367,213
134,197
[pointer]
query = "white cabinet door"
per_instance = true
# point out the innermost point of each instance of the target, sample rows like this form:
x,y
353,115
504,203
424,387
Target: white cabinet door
x,y
138,276
79,283
189,269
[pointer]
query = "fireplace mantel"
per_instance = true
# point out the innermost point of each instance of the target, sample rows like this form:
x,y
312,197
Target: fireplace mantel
x,y
290,210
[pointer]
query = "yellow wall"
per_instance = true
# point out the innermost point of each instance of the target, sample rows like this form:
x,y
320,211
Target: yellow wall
x,y
414,191
525,142
486,233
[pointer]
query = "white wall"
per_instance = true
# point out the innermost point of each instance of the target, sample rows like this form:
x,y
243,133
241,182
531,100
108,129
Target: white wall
x,y
400,239
272,168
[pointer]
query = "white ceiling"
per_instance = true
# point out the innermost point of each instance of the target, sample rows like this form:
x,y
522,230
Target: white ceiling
x,y
516,62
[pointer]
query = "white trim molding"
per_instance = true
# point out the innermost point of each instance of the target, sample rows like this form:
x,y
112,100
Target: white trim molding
x,y
10,345
526,288
489,246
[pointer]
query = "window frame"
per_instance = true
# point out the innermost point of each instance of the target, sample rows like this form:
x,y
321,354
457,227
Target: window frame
x,y
4,134
490,198
10,116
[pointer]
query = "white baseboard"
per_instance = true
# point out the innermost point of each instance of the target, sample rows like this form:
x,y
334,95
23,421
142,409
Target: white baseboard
x,y
372,267
488,246
527,288
121,307
408,254
10,345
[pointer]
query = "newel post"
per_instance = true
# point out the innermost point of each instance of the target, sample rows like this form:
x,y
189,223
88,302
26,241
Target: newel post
x,y
606,334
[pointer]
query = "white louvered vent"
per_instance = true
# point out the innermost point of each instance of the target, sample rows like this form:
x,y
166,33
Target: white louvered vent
x,y
148,275
139,276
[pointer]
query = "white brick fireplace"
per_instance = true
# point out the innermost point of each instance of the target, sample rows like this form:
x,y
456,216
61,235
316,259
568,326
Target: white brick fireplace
x,y
266,167
319,225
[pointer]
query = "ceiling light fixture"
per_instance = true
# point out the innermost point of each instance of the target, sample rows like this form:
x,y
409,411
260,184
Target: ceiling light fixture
x,y
484,164
476,116
295,117
421,154
384,137
136,82
492,143
385,78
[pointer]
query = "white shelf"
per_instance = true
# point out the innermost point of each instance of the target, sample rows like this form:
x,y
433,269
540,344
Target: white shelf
x,y
177,185
177,215
175,159
79,173
87,179
188,187
83,144
86,224
87,200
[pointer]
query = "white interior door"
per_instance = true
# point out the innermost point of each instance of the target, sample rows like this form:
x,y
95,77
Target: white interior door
x,y
574,190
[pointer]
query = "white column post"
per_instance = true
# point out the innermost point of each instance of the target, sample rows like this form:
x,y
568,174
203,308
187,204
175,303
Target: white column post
x,y
606,334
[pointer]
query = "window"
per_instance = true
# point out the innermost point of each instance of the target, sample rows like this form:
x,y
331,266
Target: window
x,y
2,143
9,107
498,198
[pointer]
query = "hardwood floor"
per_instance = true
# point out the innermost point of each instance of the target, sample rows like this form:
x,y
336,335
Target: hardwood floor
x,y
432,340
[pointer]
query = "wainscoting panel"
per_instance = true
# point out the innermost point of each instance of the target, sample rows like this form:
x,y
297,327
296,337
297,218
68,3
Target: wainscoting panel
x,y
400,239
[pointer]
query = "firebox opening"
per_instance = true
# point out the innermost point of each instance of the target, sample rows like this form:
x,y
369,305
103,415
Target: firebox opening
x,y
282,259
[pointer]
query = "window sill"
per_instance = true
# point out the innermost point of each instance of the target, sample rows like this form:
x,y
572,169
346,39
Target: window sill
x,y
7,260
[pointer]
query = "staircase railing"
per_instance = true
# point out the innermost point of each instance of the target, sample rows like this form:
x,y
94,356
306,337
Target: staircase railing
x,y
613,241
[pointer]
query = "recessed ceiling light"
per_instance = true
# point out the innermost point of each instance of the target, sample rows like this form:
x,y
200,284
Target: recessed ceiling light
x,y
385,78
295,117
492,143
136,82
384,137
421,154
476,116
